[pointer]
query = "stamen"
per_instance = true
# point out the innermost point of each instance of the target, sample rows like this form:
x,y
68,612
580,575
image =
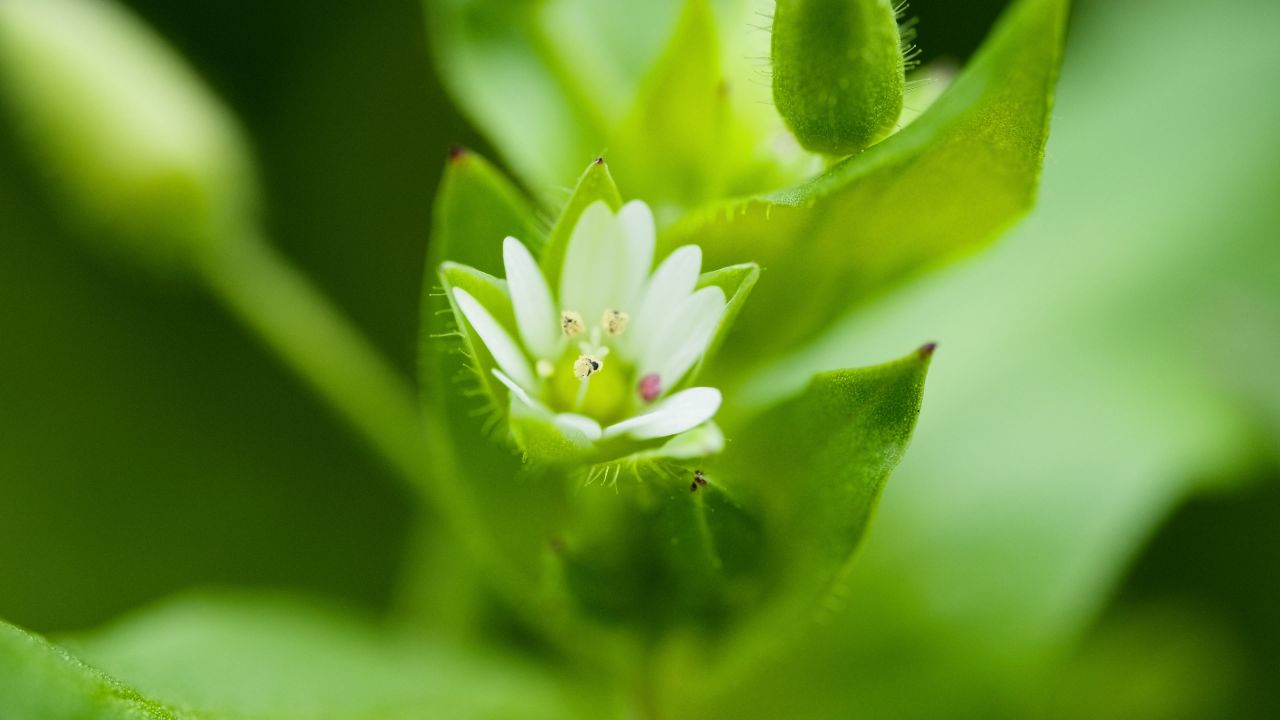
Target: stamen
x,y
571,323
586,366
650,387
544,368
615,322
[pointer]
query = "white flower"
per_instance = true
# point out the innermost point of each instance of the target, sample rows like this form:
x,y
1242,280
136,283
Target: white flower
x,y
601,355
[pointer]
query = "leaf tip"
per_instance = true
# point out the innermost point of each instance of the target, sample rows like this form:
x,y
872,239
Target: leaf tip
x,y
926,350
456,153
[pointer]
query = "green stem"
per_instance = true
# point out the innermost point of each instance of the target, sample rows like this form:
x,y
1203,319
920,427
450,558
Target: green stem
x,y
317,342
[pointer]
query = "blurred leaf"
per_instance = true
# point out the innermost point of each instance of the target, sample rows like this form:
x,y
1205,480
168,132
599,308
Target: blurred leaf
x,y
838,72
279,657
946,183
41,680
673,141
501,62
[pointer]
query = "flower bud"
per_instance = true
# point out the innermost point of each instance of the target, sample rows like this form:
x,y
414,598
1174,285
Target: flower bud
x,y
134,146
838,72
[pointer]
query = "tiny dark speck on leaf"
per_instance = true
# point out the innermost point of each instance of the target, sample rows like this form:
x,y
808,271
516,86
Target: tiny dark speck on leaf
x,y
600,160
456,153
926,350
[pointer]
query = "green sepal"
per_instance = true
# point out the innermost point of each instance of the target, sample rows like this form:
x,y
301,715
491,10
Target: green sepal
x,y
947,183
475,208
654,550
490,292
736,281
595,185
474,488
542,441
838,72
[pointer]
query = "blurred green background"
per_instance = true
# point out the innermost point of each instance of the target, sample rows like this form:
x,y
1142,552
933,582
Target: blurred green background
x,y
1090,507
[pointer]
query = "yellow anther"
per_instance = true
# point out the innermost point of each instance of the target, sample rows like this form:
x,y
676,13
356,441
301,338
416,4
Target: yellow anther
x,y
571,323
614,322
586,366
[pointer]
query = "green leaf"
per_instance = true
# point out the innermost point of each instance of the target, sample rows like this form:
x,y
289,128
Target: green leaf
x,y
673,141
274,656
504,63
814,465
808,474
838,72
41,680
948,182
1060,433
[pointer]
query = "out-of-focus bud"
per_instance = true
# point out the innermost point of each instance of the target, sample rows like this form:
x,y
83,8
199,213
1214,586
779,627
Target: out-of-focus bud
x,y
136,147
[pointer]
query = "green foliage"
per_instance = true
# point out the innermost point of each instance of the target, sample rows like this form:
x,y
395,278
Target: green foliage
x,y
814,466
675,139
41,680
238,656
838,72
665,562
945,184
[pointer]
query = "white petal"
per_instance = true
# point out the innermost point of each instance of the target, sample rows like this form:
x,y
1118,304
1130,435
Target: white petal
x,y
589,265
686,336
667,289
503,349
565,421
685,410
536,315
638,237
581,423
706,439
518,392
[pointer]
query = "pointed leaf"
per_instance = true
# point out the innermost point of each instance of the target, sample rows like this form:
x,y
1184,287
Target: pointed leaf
x,y
838,72
814,466
947,183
